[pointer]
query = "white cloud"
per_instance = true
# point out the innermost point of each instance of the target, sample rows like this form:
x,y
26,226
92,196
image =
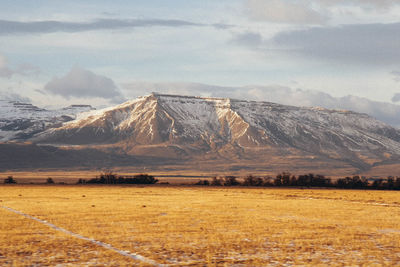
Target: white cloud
x,y
396,98
251,39
396,75
359,44
362,3
27,69
374,44
312,12
83,83
283,11
22,69
4,70
12,96
48,26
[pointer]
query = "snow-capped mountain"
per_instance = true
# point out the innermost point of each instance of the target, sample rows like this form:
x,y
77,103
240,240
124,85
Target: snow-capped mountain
x,y
187,127
20,121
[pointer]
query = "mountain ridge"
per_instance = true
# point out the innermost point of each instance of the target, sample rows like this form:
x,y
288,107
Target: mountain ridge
x,y
202,128
19,121
383,111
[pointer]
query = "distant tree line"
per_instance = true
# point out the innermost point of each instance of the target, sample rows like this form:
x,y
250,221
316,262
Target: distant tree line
x,y
307,180
10,180
112,178
284,179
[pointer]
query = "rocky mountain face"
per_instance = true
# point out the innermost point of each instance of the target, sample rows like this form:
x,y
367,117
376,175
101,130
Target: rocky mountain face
x,y
185,127
20,121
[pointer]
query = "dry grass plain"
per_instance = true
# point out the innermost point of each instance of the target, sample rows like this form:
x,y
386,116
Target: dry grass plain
x,y
184,226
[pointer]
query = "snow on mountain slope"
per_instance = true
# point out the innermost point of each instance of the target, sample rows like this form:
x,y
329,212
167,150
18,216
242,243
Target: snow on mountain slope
x,y
208,125
19,121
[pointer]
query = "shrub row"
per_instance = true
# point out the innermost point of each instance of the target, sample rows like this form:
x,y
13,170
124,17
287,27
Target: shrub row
x,y
104,178
307,180
283,179
11,180
111,178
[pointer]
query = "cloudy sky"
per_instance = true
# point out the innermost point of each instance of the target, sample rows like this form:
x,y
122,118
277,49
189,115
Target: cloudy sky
x,y
55,53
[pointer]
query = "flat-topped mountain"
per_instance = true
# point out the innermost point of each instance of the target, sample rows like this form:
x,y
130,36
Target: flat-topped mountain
x,y
184,127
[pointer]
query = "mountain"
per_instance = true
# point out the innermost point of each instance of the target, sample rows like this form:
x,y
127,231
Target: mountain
x,y
383,111
20,121
236,132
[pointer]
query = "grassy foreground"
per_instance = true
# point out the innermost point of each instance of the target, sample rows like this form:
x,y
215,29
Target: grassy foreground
x,y
200,226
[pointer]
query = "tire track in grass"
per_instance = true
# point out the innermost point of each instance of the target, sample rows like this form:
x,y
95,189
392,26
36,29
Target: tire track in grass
x,y
128,254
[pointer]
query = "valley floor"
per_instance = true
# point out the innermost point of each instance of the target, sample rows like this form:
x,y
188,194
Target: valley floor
x,y
183,226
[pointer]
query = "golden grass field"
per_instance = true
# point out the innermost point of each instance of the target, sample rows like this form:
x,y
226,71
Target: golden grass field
x,y
198,226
